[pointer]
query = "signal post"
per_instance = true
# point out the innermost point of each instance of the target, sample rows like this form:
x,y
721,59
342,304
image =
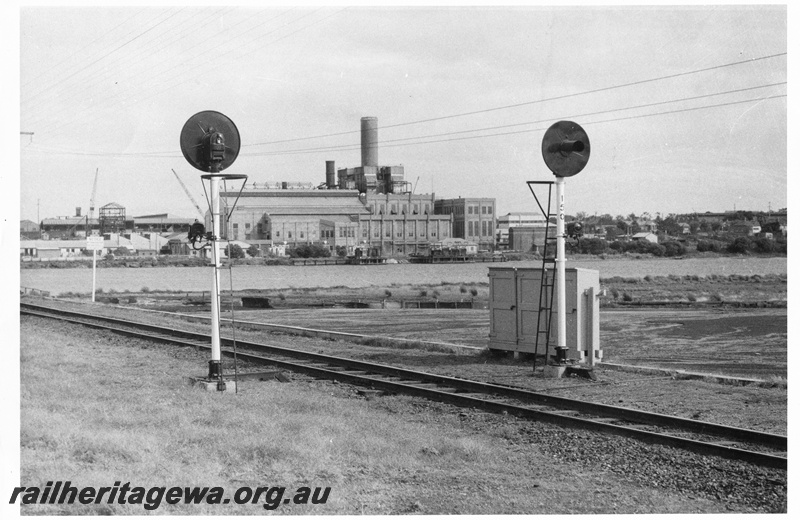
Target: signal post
x,y
210,142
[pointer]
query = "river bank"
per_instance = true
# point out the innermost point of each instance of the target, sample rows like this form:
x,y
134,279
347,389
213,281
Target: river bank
x,y
385,276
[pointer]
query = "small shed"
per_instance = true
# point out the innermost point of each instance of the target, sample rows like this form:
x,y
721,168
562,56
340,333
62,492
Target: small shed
x,y
650,237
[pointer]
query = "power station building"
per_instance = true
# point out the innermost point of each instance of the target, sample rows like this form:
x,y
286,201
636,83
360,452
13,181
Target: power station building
x,y
369,207
473,219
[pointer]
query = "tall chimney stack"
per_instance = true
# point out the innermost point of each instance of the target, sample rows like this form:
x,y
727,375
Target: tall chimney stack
x,y
369,141
330,174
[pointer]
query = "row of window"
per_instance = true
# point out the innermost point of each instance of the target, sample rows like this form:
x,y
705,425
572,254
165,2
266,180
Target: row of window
x,y
403,208
484,210
344,232
485,228
471,210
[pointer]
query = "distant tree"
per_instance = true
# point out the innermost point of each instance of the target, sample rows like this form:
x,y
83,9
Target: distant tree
x,y
234,251
592,246
771,227
606,220
670,226
654,249
673,248
341,251
740,245
764,245
122,251
253,250
707,245
309,251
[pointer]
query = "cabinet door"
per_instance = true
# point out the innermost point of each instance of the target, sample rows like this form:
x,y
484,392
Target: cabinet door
x,y
503,305
529,284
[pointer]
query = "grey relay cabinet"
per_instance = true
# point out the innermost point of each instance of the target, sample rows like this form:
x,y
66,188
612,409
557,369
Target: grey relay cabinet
x,y
514,311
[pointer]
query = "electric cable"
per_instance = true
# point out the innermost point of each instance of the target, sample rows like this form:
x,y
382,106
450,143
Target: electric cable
x,y
109,53
388,142
536,101
123,97
204,56
37,77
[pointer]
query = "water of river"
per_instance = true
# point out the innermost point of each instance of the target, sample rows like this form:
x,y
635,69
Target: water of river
x,y
281,277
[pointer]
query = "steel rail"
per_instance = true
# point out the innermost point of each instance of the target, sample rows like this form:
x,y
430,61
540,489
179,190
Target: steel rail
x,y
490,397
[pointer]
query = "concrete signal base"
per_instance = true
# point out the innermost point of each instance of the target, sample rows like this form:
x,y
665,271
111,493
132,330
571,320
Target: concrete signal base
x,y
208,385
559,371
554,371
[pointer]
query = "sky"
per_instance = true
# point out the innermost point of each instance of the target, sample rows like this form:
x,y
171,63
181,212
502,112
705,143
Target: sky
x,y
685,107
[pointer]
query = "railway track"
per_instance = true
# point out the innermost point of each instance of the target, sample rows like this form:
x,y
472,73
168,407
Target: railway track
x,y
760,448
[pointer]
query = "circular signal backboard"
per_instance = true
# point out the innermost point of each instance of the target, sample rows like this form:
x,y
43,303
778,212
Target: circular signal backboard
x,y
565,148
196,135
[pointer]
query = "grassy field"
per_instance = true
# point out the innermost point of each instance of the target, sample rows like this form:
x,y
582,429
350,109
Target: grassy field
x,y
97,408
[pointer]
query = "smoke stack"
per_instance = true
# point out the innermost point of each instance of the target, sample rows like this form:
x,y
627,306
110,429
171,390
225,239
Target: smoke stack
x,y
330,174
369,141
77,212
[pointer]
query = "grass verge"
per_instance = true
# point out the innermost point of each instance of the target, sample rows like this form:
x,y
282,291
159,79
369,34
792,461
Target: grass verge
x,y
97,408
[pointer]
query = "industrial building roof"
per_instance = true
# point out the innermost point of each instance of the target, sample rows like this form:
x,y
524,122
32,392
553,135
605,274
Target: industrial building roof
x,y
302,205
69,221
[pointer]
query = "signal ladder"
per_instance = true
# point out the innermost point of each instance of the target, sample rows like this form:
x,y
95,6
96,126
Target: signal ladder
x,y
544,318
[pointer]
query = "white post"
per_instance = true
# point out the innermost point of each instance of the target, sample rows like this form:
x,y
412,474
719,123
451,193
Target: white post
x,y
214,367
588,324
561,282
94,272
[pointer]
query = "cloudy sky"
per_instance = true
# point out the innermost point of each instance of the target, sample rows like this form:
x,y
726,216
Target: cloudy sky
x,y
685,107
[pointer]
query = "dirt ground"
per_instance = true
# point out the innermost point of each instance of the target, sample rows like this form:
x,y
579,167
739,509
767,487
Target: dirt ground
x,y
748,343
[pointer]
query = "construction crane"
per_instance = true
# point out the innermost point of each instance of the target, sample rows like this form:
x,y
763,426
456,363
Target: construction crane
x,y
94,192
186,190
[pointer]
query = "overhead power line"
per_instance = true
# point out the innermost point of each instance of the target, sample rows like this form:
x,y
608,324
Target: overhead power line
x,y
208,59
109,53
533,102
390,144
572,116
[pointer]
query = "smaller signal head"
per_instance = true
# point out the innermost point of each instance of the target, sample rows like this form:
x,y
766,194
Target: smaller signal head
x,y
565,148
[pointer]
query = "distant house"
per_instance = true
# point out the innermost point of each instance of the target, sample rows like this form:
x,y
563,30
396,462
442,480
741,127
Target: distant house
x,y
685,228
526,238
744,228
29,229
647,226
649,237
468,246
51,249
179,245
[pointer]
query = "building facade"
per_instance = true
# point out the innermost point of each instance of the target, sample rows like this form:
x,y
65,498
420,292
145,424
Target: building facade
x,y
474,219
386,223
510,220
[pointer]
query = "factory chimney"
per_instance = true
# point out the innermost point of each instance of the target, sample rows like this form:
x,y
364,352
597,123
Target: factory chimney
x,y
369,141
77,211
330,174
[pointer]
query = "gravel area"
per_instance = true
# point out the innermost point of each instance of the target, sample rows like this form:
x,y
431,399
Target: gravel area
x,y
742,487
736,486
